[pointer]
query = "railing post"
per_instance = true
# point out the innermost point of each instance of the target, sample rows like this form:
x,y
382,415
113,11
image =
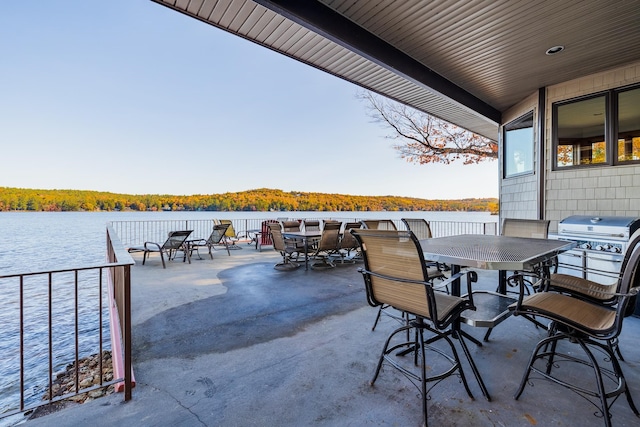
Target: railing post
x,y
127,333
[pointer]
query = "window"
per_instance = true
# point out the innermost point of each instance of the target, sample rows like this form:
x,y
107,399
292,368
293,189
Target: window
x,y
580,132
518,146
601,130
629,125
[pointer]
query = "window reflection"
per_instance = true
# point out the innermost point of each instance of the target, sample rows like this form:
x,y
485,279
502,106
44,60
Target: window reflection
x,y
581,132
629,125
518,146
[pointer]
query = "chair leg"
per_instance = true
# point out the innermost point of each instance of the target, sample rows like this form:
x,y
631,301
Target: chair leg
x,y
474,368
382,307
162,258
144,256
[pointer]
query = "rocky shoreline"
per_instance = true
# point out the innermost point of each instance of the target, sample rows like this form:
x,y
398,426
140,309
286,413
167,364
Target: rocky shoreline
x,y
89,376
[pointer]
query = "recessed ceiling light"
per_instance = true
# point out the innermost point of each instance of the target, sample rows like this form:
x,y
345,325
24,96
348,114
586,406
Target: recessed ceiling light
x,y
554,50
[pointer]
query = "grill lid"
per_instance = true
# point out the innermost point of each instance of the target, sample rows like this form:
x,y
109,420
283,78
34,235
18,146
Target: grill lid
x,y
613,227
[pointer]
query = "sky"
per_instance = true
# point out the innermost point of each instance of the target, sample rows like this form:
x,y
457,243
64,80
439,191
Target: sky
x,y
128,96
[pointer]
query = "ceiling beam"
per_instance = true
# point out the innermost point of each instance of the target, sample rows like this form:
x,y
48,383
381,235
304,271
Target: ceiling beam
x,y
322,20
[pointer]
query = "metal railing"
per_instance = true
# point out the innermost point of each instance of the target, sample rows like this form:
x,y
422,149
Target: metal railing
x,y
57,317
132,233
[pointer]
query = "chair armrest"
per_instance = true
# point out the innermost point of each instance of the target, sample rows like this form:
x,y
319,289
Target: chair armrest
x,y
147,244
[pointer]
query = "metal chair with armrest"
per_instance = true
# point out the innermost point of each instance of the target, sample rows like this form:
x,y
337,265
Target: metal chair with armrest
x,y
587,324
395,274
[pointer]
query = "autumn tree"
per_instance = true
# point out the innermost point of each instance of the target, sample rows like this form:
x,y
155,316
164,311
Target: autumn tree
x,y
425,138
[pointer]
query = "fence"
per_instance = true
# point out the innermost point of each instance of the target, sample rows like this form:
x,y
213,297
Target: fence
x,y
52,319
133,233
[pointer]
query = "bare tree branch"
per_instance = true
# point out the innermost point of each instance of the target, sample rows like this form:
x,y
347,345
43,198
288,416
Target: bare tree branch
x,y
426,139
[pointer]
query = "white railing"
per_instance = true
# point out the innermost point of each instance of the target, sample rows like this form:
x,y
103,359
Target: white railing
x,y
132,233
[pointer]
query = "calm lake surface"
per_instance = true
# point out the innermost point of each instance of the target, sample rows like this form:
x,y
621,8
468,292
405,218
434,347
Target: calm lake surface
x,y
41,241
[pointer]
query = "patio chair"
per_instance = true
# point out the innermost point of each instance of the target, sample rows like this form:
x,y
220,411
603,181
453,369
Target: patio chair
x,y
598,293
348,244
582,324
530,228
217,237
422,230
378,224
231,238
311,224
327,246
395,274
433,272
286,249
175,242
294,225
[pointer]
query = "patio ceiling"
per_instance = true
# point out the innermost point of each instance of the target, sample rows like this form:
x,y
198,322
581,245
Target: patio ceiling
x,y
463,61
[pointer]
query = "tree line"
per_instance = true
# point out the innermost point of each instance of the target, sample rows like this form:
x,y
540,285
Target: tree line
x,y
262,199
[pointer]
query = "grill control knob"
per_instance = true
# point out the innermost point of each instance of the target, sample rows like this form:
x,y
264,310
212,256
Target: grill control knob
x,y
617,249
585,246
600,248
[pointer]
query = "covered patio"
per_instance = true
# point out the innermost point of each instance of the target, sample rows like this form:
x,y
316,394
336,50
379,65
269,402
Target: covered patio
x,y
234,342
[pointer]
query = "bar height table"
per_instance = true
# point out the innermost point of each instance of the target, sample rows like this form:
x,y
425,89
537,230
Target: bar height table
x,y
490,253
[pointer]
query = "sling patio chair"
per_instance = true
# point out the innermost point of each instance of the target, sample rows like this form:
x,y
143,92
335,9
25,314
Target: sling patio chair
x,y
215,238
175,242
348,244
578,323
395,274
378,224
287,248
432,272
327,246
421,228
595,292
231,238
530,228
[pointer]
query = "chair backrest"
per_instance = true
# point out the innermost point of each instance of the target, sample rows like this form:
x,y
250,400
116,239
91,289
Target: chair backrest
x,y
231,232
634,243
176,239
419,226
217,234
311,225
275,230
291,225
330,237
394,258
534,228
378,224
348,240
629,280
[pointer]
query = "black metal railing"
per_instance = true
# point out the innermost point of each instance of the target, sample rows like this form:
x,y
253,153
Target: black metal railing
x,y
55,318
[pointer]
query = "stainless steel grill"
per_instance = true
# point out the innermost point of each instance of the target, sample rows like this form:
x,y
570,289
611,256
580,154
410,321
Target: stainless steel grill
x,y
600,245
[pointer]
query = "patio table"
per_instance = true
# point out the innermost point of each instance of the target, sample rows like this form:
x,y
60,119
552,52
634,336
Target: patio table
x,y
490,253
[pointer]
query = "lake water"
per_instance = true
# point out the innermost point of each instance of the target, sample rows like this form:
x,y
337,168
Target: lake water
x,y
40,241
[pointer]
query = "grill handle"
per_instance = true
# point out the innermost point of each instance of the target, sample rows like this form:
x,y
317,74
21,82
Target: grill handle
x,y
584,235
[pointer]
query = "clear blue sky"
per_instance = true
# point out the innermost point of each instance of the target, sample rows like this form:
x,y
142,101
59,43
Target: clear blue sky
x,y
128,96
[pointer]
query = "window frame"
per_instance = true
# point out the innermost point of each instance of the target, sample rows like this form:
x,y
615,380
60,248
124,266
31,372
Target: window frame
x,y
530,150
610,129
616,121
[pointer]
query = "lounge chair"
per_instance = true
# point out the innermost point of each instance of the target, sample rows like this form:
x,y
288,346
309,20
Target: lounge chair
x,y
217,237
231,238
175,242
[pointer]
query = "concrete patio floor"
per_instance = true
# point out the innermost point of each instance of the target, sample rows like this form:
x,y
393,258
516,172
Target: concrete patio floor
x,y
233,342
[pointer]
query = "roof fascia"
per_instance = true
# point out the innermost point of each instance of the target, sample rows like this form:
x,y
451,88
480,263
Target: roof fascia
x,y
335,27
